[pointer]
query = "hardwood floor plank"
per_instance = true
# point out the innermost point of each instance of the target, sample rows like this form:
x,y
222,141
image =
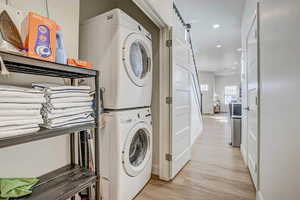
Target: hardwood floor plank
x,y
215,172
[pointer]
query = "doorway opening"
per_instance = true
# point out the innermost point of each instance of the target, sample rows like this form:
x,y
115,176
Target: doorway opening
x,y
218,47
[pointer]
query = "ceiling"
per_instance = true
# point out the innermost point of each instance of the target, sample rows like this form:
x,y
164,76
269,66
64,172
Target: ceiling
x,y
203,14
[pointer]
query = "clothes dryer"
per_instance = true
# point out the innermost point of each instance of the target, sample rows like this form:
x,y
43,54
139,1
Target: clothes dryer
x,y
121,49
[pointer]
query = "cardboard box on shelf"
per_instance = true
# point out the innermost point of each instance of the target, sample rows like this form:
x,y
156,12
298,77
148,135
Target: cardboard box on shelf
x,y
80,63
39,37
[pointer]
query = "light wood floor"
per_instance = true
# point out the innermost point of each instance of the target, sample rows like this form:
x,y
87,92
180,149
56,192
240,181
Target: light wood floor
x,y
216,171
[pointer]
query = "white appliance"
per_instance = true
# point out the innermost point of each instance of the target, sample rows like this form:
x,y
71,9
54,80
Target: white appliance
x,y
121,49
126,153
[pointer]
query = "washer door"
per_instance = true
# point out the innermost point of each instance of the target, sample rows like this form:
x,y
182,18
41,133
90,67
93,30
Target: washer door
x,y
137,59
137,149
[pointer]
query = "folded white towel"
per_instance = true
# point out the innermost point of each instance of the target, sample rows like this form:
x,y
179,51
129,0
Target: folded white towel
x,y
68,118
65,105
67,111
48,116
19,89
52,106
20,94
75,121
50,92
57,87
20,127
6,134
18,118
11,112
70,123
25,100
69,100
67,94
22,122
20,106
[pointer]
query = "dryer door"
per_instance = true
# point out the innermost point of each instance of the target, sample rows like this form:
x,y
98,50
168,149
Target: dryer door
x,y
137,58
137,149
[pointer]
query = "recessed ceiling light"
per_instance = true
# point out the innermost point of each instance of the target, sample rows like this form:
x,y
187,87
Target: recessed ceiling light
x,y
215,26
239,49
219,46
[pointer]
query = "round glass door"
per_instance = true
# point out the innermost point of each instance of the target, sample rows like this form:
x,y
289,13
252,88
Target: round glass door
x,y
137,150
137,59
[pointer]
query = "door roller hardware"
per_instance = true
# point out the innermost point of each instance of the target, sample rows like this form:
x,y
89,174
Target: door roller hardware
x,y
169,157
169,100
169,43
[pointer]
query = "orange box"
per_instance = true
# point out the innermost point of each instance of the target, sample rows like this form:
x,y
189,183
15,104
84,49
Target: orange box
x,y
39,37
80,63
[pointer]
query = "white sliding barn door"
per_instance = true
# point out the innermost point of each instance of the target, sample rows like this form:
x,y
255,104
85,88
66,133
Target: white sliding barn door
x,y
181,100
252,98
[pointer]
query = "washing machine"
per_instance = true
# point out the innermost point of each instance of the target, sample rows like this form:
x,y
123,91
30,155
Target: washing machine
x,y
126,153
121,49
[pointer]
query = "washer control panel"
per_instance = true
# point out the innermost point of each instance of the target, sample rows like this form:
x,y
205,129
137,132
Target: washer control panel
x,y
139,115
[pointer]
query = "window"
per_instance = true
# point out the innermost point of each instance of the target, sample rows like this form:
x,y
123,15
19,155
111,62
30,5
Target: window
x,y
231,90
231,93
204,87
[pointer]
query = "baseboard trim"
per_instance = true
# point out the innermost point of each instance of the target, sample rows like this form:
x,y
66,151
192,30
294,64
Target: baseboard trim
x,y
155,170
259,196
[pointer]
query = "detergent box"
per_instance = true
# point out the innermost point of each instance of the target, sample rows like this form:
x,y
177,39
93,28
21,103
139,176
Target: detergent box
x,y
39,37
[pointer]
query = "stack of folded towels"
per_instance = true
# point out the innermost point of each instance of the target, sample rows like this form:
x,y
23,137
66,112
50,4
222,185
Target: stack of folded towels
x,y
66,105
20,110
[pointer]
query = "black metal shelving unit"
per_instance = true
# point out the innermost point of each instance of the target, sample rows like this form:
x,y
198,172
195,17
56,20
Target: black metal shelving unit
x,y
65,182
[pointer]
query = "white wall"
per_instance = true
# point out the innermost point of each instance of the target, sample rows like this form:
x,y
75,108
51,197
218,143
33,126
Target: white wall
x,y
66,15
196,118
221,83
280,138
208,97
95,7
36,158
162,8
279,81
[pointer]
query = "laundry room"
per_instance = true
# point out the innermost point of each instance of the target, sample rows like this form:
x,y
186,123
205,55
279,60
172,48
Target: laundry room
x,y
126,89
149,100
119,79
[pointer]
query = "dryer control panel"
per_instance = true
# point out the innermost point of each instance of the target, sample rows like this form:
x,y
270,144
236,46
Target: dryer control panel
x,y
134,116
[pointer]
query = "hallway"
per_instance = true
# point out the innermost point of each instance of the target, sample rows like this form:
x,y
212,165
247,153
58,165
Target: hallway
x,y
216,171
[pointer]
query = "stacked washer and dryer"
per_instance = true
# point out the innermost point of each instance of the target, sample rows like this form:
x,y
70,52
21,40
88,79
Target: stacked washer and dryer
x,y
121,49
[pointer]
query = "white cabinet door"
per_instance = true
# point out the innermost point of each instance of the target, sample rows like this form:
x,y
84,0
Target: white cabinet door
x,y
252,97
